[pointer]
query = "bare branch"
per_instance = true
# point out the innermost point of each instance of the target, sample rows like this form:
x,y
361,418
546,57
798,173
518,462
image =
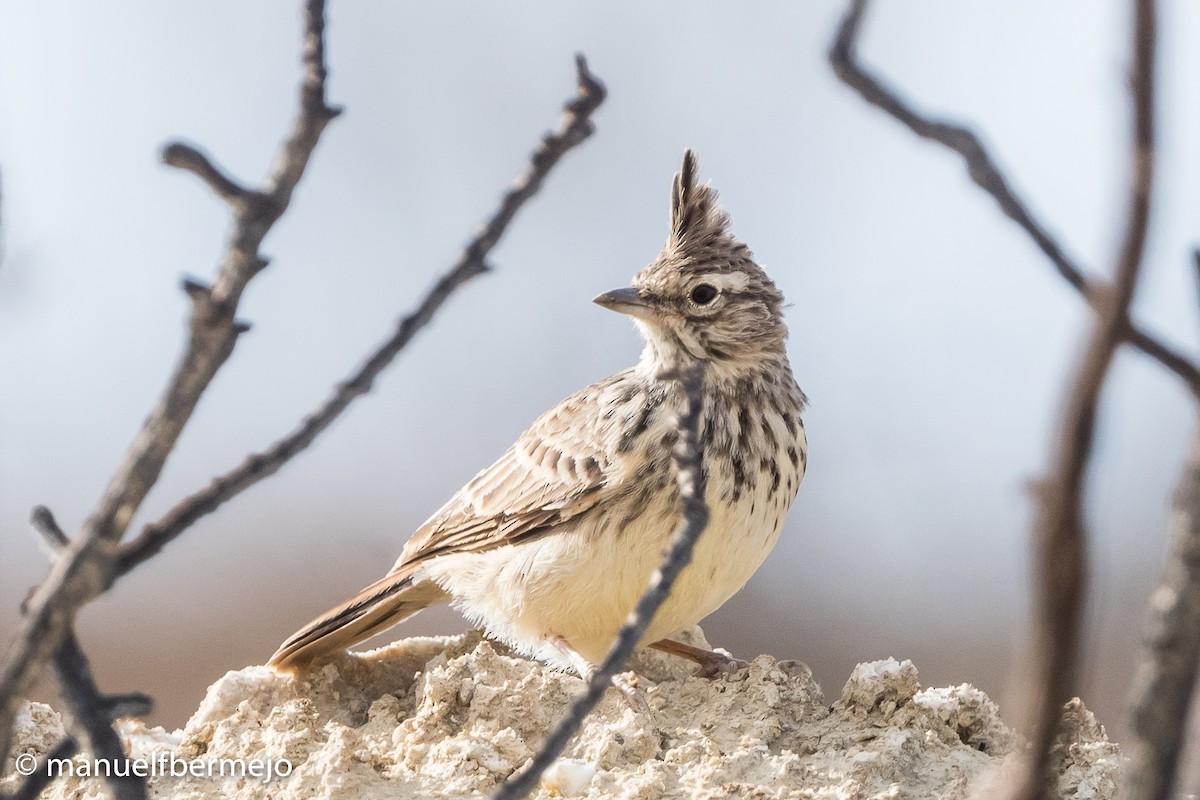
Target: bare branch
x,y
1165,681
315,112
92,713
688,457
88,566
1059,534
982,169
574,128
92,718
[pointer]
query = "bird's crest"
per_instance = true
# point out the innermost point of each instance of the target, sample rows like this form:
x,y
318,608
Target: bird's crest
x,y
697,221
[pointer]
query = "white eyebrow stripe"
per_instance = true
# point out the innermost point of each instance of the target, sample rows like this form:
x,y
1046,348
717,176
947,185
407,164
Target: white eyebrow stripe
x,y
726,281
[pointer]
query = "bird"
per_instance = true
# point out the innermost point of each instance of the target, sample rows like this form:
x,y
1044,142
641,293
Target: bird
x,y
550,548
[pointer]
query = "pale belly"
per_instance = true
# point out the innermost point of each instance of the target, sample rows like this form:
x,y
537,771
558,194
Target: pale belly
x,y
581,581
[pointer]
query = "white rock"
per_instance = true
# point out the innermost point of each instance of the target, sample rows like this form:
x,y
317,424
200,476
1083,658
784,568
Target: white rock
x,y
453,717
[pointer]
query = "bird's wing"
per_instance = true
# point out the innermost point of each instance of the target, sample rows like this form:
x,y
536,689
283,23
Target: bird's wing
x,y
565,464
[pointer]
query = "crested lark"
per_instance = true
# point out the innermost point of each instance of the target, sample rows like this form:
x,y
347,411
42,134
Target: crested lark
x,y
550,548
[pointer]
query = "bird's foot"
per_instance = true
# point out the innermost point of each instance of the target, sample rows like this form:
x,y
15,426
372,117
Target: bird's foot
x,y
634,697
625,683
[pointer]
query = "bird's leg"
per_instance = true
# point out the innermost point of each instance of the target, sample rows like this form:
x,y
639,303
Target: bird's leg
x,y
711,663
634,696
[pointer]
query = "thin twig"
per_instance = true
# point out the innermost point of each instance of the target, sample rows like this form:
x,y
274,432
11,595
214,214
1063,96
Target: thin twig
x,y
92,713
982,169
574,128
1165,680
1059,533
53,539
1060,539
88,566
688,457
190,158
43,521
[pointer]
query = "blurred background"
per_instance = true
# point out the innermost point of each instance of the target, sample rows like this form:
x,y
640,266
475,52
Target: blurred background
x,y
930,336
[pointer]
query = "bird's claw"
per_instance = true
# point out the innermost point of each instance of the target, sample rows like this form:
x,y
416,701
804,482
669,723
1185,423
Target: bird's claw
x,y
634,697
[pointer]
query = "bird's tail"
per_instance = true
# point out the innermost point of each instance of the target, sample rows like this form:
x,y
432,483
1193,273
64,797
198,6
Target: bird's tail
x,y
376,608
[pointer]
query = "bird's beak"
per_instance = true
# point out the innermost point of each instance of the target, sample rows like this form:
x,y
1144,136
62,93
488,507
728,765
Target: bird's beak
x,y
626,301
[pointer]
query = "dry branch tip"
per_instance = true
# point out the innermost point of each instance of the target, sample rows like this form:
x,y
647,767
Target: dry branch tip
x,y
590,87
196,289
46,526
189,158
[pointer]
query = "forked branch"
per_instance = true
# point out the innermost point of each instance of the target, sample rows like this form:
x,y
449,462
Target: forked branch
x,y
87,566
576,126
982,168
1059,535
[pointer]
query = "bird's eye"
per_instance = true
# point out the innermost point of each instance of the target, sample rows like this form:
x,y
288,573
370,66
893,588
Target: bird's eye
x,y
703,294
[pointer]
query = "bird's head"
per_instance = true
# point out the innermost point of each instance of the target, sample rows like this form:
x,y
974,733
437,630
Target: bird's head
x,y
703,297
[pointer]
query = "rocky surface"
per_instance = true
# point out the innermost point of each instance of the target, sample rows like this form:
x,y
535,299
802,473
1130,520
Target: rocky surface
x,y
453,717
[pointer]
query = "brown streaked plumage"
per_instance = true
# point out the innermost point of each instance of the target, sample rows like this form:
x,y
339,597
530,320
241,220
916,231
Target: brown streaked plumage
x,y
550,547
